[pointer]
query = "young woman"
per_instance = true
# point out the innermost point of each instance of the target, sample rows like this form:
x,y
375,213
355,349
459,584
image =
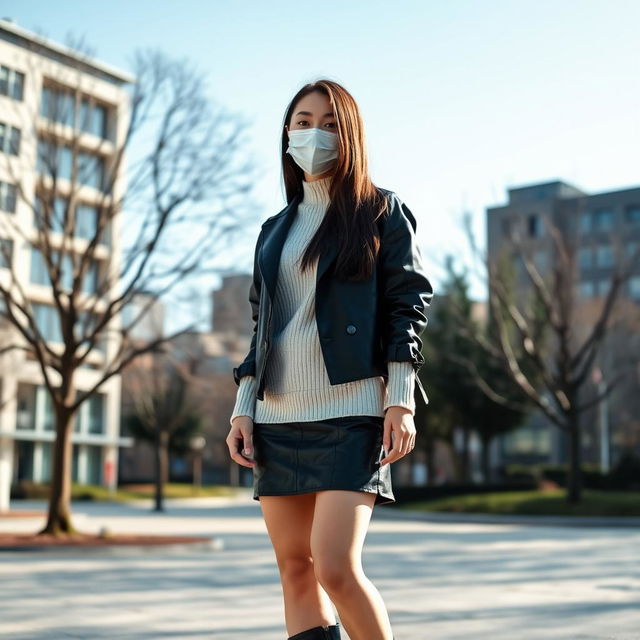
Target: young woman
x,y
326,393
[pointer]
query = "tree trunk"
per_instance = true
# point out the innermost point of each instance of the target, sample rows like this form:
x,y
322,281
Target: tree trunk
x,y
486,470
162,466
466,475
59,516
456,459
234,474
574,476
431,460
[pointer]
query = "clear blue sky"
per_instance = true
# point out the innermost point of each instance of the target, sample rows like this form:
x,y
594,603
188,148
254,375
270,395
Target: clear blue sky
x,y
461,99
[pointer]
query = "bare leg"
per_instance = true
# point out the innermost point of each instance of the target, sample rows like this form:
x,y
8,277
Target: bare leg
x,y
289,520
339,528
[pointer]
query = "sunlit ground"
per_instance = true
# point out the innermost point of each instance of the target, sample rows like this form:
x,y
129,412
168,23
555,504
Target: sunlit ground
x,y
441,581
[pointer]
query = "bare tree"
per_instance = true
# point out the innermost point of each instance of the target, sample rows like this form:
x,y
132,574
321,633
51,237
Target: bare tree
x,y
546,337
467,406
187,196
164,395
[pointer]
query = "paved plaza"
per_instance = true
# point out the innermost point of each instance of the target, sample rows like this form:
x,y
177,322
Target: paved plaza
x,y
440,580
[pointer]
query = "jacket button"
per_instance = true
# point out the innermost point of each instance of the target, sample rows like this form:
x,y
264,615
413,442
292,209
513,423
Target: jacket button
x,y
351,329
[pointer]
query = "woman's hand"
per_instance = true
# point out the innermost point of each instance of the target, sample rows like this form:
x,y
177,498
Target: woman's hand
x,y
240,441
399,421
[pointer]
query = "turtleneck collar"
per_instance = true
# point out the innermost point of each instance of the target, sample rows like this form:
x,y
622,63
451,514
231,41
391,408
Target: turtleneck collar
x,y
316,192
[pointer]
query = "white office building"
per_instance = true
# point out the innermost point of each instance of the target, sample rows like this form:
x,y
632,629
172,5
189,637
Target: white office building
x,y
34,70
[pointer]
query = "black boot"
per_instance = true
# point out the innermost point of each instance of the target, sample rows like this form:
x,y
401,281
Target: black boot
x,y
332,632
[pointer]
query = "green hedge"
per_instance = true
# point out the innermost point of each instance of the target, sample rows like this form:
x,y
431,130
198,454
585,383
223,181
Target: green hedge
x,y
550,503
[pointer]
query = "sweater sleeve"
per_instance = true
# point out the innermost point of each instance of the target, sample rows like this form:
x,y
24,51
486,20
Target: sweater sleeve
x,y
245,398
400,385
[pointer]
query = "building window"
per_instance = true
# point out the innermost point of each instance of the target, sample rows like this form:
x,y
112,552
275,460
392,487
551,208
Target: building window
x,y
602,286
586,289
534,226
86,218
91,170
90,282
604,256
585,258
585,222
48,322
632,214
8,197
55,160
11,83
26,407
95,414
94,465
49,415
6,253
94,118
86,221
40,275
603,219
57,214
90,419
24,460
58,105
10,139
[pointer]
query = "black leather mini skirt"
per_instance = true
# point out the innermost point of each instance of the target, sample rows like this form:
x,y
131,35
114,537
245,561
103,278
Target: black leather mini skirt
x,y
333,453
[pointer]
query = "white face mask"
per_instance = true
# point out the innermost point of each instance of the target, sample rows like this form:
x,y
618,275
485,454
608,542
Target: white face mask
x,y
315,150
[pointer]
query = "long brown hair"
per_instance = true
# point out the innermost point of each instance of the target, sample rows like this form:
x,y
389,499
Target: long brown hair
x,y
356,202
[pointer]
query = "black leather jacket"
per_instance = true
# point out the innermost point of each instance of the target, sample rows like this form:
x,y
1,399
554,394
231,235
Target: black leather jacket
x,y
361,325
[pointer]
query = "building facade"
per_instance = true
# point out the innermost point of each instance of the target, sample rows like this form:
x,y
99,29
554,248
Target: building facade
x,y
36,77
602,231
212,390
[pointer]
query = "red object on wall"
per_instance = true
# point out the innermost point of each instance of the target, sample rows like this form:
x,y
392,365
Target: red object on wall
x,y
109,469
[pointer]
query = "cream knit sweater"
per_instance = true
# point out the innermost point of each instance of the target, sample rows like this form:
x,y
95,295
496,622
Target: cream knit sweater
x,y
297,387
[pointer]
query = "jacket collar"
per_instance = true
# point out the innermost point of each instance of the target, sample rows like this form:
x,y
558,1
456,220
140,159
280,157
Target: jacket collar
x,y
275,231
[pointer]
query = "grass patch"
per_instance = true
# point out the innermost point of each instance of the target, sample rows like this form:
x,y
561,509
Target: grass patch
x,y
177,490
548,502
89,492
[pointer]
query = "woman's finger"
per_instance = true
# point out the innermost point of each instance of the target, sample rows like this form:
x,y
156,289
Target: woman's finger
x,y
240,459
399,439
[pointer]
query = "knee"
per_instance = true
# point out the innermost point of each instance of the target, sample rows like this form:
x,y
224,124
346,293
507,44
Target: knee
x,y
335,574
296,570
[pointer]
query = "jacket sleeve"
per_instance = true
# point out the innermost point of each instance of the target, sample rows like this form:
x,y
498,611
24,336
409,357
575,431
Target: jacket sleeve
x,y
248,366
405,287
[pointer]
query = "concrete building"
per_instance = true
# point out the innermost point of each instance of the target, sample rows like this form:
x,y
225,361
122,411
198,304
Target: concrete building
x,y
602,229
144,316
212,389
231,311
35,73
